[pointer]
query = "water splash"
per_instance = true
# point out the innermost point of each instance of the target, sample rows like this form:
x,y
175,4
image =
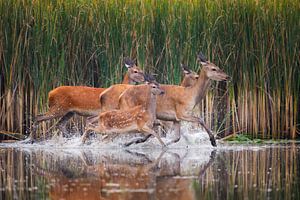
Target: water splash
x,y
190,138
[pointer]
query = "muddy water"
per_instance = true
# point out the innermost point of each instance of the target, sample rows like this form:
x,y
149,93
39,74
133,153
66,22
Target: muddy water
x,y
226,172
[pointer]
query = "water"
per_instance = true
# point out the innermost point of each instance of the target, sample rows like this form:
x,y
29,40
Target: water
x,y
65,169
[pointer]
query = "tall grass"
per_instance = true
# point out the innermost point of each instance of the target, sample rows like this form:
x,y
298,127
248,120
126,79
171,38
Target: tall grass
x,y
45,44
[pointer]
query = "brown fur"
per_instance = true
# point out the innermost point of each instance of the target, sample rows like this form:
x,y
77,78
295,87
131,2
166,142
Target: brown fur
x,y
139,118
64,101
109,98
189,79
178,101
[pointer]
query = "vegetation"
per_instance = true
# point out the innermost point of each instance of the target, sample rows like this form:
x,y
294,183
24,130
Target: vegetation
x,y
48,43
243,138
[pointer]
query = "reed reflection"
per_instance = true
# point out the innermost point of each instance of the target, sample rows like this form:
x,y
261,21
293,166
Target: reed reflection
x,y
224,173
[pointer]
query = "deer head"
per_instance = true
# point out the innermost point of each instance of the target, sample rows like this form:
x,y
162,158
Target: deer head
x,y
211,70
155,87
191,76
134,72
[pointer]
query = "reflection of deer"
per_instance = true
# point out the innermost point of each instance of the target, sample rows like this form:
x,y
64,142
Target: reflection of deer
x,y
178,102
111,179
65,101
180,188
138,118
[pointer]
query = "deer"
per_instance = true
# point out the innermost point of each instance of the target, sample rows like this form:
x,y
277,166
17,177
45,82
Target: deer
x,y
178,102
65,101
189,79
109,99
139,118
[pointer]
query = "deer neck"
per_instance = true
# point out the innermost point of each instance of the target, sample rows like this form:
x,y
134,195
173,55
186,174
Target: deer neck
x,y
127,80
200,88
151,104
185,83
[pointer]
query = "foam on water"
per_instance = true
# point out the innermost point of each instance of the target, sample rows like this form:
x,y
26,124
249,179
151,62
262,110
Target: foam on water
x,y
189,139
189,155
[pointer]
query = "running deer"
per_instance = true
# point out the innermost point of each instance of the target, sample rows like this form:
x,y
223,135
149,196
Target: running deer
x,y
178,102
139,118
189,79
65,101
109,99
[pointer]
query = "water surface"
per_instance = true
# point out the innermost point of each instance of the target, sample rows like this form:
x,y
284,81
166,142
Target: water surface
x,y
227,172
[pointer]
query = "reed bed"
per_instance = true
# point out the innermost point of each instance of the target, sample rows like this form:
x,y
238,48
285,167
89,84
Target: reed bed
x,y
248,174
45,44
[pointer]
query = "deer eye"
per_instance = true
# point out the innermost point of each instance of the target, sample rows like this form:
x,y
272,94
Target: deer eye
x,y
214,69
196,77
135,71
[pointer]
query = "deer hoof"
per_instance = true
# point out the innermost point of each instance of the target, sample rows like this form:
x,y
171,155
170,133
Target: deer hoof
x,y
127,144
28,141
213,141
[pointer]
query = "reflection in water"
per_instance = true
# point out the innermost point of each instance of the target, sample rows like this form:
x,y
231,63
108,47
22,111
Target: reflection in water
x,y
228,172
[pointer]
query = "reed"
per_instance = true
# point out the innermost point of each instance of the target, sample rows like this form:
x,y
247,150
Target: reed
x,y
252,175
45,44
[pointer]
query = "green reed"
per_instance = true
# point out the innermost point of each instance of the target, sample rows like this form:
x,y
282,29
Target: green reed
x,y
45,44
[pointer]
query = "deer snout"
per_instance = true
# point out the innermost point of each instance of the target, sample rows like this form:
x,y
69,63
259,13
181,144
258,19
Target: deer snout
x,y
141,77
162,92
228,78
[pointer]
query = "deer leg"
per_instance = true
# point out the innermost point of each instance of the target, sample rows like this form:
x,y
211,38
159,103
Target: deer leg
x,y
139,140
158,126
63,122
92,119
97,129
176,126
40,118
110,137
201,122
210,134
166,127
146,129
86,134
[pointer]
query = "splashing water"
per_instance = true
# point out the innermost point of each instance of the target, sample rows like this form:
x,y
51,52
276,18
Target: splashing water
x,y
190,138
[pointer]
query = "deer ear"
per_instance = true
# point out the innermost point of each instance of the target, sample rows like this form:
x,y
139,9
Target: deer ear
x,y
185,69
202,58
146,78
128,66
203,63
128,62
149,78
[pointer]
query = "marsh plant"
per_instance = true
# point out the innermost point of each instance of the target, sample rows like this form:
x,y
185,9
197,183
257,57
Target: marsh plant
x,y
48,43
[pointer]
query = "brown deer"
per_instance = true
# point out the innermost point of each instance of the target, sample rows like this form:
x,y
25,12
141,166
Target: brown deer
x,y
65,101
139,118
189,79
109,99
178,102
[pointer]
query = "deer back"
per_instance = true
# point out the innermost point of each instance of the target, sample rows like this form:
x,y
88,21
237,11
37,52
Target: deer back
x,y
109,98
